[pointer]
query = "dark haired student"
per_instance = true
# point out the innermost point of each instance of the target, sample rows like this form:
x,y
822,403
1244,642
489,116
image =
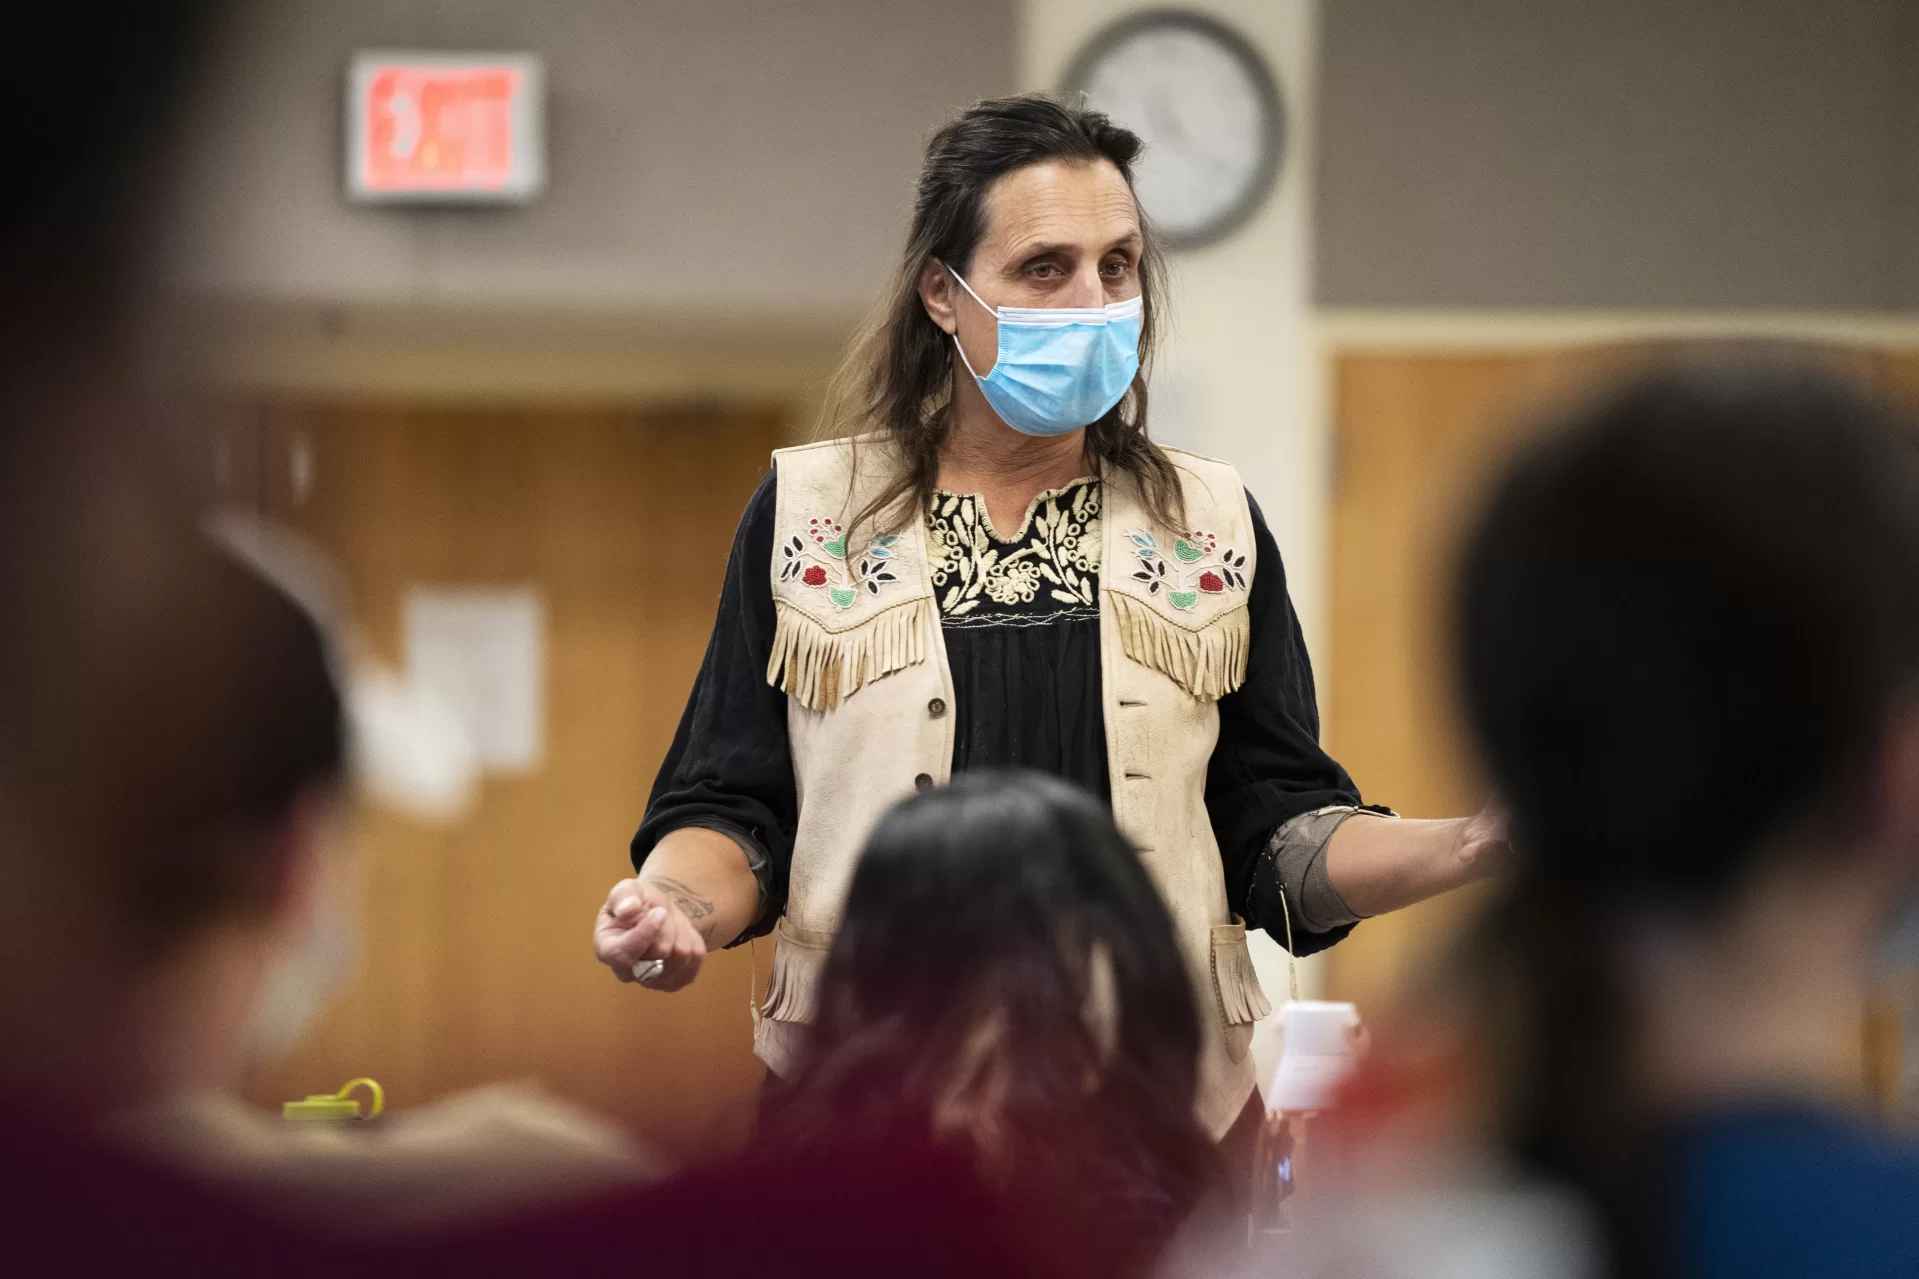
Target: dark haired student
x,y
1005,570
1006,985
1710,579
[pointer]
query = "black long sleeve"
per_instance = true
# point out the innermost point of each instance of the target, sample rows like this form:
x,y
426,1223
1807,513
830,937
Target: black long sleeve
x,y
730,766
1268,766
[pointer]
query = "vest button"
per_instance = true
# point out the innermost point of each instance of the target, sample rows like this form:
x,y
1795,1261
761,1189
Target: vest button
x,y
923,782
936,707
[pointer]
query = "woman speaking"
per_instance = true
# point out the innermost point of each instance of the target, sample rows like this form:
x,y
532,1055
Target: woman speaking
x,y
1004,570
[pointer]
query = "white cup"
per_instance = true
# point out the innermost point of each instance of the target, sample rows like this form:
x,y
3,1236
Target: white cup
x,y
1320,1051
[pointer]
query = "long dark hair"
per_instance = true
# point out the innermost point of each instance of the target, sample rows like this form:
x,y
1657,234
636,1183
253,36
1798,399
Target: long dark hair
x,y
984,921
898,376
1685,622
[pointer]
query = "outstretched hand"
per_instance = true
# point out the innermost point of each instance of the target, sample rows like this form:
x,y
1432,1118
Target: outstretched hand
x,y
1484,848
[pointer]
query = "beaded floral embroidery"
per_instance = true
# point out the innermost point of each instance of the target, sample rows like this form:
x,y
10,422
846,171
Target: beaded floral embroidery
x,y
1199,566
818,559
1049,570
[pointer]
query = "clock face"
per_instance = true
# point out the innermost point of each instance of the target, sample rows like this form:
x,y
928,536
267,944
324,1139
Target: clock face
x,y
1207,109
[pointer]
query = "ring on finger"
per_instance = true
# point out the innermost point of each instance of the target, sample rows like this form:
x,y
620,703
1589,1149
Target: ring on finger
x,y
645,970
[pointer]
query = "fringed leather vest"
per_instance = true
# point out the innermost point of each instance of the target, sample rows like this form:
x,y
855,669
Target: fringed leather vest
x,y
859,653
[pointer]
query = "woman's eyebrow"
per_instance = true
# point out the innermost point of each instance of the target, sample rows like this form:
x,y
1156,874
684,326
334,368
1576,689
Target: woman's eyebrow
x,y
1028,252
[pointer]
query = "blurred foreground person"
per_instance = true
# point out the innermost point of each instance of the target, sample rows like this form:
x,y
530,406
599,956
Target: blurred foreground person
x,y
1690,638
253,965
93,694
1006,983
167,888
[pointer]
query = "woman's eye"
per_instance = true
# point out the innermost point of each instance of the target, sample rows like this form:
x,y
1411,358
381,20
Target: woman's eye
x,y
1115,269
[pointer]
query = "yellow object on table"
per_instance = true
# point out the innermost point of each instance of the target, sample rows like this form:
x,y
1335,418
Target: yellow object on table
x,y
331,1106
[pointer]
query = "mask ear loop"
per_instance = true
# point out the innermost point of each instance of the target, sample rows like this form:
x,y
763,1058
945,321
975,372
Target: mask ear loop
x,y
992,311
977,298
1292,964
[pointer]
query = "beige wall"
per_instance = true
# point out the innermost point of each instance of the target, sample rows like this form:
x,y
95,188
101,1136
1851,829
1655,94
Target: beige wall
x,y
718,160
729,183
1635,153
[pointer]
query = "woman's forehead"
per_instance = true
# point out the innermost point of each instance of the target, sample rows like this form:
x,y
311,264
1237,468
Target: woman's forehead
x,y
1055,204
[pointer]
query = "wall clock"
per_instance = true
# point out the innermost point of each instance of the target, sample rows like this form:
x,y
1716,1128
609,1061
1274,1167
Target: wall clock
x,y
1208,109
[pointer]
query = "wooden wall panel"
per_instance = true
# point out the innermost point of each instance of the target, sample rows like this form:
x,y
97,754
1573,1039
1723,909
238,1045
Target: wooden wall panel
x,y
1898,373
478,963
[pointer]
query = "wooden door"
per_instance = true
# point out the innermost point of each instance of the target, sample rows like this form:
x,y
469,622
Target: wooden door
x,y
477,960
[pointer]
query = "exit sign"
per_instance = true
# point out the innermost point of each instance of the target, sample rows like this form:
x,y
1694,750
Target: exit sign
x,y
443,127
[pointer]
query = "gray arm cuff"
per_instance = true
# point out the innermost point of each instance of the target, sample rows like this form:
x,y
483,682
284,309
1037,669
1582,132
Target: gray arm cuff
x,y
1299,855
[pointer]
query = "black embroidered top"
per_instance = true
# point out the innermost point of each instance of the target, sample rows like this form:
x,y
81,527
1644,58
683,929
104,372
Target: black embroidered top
x,y
1049,572
1020,617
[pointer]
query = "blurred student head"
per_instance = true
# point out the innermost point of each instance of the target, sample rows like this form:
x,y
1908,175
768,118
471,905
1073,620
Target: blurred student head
x,y
165,716
167,788
1005,979
1689,632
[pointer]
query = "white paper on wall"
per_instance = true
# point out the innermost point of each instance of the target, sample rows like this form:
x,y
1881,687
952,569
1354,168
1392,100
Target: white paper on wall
x,y
482,649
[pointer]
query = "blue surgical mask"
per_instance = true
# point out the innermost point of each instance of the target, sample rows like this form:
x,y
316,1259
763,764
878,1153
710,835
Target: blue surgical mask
x,y
1059,368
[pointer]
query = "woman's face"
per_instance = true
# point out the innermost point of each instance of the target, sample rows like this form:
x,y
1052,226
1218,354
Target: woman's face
x,y
1056,234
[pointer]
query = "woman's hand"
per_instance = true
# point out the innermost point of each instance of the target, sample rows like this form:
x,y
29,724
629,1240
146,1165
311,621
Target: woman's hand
x,y
1483,849
697,893
644,921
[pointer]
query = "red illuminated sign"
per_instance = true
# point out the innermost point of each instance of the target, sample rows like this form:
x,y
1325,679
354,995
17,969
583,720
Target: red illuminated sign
x,y
439,127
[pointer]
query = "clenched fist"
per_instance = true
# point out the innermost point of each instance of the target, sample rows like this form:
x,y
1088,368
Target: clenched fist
x,y
642,921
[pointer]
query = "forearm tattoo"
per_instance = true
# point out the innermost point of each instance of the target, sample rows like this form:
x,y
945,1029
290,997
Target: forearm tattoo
x,y
697,909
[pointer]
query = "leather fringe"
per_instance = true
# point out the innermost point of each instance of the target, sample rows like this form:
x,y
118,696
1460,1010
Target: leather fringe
x,y
820,669
1240,995
792,992
1208,663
